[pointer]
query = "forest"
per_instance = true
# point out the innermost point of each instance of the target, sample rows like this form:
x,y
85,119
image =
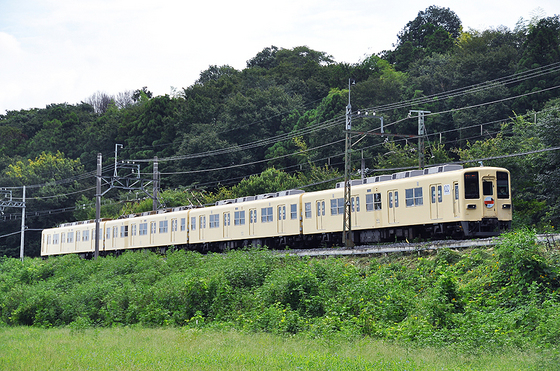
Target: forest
x,y
490,96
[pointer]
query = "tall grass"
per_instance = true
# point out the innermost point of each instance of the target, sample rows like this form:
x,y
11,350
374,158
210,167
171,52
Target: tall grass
x,y
142,349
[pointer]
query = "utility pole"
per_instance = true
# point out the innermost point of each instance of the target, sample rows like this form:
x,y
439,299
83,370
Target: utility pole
x,y
347,239
421,136
98,204
155,180
7,201
116,153
22,226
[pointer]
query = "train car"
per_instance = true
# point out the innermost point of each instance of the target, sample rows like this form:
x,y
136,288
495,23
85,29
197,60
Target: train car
x,y
270,219
435,202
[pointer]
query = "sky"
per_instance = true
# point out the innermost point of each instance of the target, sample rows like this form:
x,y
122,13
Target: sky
x,y
64,51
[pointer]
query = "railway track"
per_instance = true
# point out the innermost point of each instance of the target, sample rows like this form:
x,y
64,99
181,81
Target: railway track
x,y
551,240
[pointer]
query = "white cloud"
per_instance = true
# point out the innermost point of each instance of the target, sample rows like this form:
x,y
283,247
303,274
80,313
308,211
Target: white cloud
x,y
55,51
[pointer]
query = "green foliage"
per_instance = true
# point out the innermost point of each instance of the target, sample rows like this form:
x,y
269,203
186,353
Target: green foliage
x,y
501,298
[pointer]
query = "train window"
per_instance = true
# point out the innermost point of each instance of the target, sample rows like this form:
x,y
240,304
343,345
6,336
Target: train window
x,y
85,236
124,230
183,224
115,232
471,185
163,226
202,223
390,200
266,215
48,239
226,219
418,199
308,210
193,223
214,221
252,216
439,194
321,208
377,201
78,236
487,188
337,206
70,237
55,239
357,203
239,218
133,230
369,202
143,229
153,227
396,199
63,238
409,197
174,225
456,191
413,197
108,235
503,184
293,211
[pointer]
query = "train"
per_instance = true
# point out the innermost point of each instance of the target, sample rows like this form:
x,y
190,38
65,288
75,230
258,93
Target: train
x,y
435,202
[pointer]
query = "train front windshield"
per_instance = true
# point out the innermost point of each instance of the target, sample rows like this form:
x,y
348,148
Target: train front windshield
x,y
502,184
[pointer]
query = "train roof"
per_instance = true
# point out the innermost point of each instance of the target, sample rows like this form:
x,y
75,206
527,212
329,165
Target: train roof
x,y
404,174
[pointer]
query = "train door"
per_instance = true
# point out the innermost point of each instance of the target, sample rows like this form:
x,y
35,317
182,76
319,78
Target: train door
x,y
320,214
281,218
227,222
115,240
173,229
456,205
152,233
252,221
436,198
201,227
77,241
393,203
355,210
133,235
489,198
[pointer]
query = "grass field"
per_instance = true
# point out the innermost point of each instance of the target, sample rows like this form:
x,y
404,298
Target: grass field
x,y
136,348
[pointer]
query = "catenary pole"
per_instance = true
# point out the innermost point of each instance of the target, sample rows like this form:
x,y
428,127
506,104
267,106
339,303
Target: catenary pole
x,y
98,204
22,227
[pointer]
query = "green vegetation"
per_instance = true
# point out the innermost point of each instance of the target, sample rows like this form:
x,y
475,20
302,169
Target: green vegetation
x,y
136,348
497,300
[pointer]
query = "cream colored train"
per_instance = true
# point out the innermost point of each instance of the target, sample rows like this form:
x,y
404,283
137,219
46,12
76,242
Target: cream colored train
x,y
435,202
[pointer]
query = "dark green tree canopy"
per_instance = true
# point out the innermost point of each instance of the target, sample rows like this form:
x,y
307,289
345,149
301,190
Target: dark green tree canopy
x,y
417,30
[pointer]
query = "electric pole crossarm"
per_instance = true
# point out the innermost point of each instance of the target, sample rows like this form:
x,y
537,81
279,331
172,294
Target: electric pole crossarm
x,y
16,204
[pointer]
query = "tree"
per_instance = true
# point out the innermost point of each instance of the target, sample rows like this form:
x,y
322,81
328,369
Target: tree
x,y
100,102
432,31
265,59
549,177
417,30
52,186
